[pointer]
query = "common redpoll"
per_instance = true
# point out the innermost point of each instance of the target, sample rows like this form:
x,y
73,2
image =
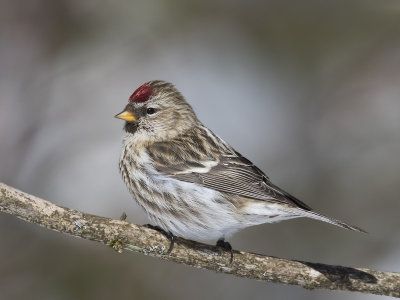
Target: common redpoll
x,y
190,182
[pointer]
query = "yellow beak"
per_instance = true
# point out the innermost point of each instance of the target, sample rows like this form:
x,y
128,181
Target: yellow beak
x,y
127,116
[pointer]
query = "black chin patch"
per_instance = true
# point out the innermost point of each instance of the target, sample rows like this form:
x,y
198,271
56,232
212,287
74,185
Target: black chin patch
x,y
130,127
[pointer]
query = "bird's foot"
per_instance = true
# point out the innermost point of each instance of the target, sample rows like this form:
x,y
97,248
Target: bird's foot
x,y
225,246
123,216
168,234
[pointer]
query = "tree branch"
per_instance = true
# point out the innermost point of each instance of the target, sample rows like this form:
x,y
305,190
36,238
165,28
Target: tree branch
x,y
123,235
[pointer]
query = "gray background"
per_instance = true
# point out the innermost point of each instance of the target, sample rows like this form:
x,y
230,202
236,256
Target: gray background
x,y
308,90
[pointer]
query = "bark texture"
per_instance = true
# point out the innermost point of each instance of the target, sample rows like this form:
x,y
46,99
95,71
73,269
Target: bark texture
x,y
122,235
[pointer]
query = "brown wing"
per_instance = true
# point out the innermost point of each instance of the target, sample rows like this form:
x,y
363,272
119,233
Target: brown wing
x,y
228,173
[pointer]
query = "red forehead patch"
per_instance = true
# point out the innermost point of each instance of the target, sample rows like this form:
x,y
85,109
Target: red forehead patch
x,y
142,94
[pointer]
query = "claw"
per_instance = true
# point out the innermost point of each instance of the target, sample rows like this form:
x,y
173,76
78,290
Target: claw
x,y
123,216
225,246
168,234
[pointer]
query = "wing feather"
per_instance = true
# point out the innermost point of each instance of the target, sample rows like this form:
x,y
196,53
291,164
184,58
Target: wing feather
x,y
227,172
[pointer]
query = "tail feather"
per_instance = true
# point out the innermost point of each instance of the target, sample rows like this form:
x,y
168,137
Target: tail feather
x,y
317,216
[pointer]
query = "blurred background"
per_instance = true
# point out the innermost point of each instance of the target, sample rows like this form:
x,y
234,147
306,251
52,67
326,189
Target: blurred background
x,y
307,90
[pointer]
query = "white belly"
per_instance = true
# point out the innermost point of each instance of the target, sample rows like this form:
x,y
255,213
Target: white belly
x,y
185,209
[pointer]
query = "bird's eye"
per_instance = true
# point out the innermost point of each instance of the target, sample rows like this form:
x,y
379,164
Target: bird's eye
x,y
150,111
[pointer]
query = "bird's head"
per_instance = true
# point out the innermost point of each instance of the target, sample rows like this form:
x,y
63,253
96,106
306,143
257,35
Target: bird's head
x,y
157,111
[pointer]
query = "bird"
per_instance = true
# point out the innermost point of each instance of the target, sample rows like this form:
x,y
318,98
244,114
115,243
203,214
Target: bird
x,y
189,181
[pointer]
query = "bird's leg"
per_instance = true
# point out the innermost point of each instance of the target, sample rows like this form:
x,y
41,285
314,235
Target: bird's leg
x,y
168,234
123,216
225,246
